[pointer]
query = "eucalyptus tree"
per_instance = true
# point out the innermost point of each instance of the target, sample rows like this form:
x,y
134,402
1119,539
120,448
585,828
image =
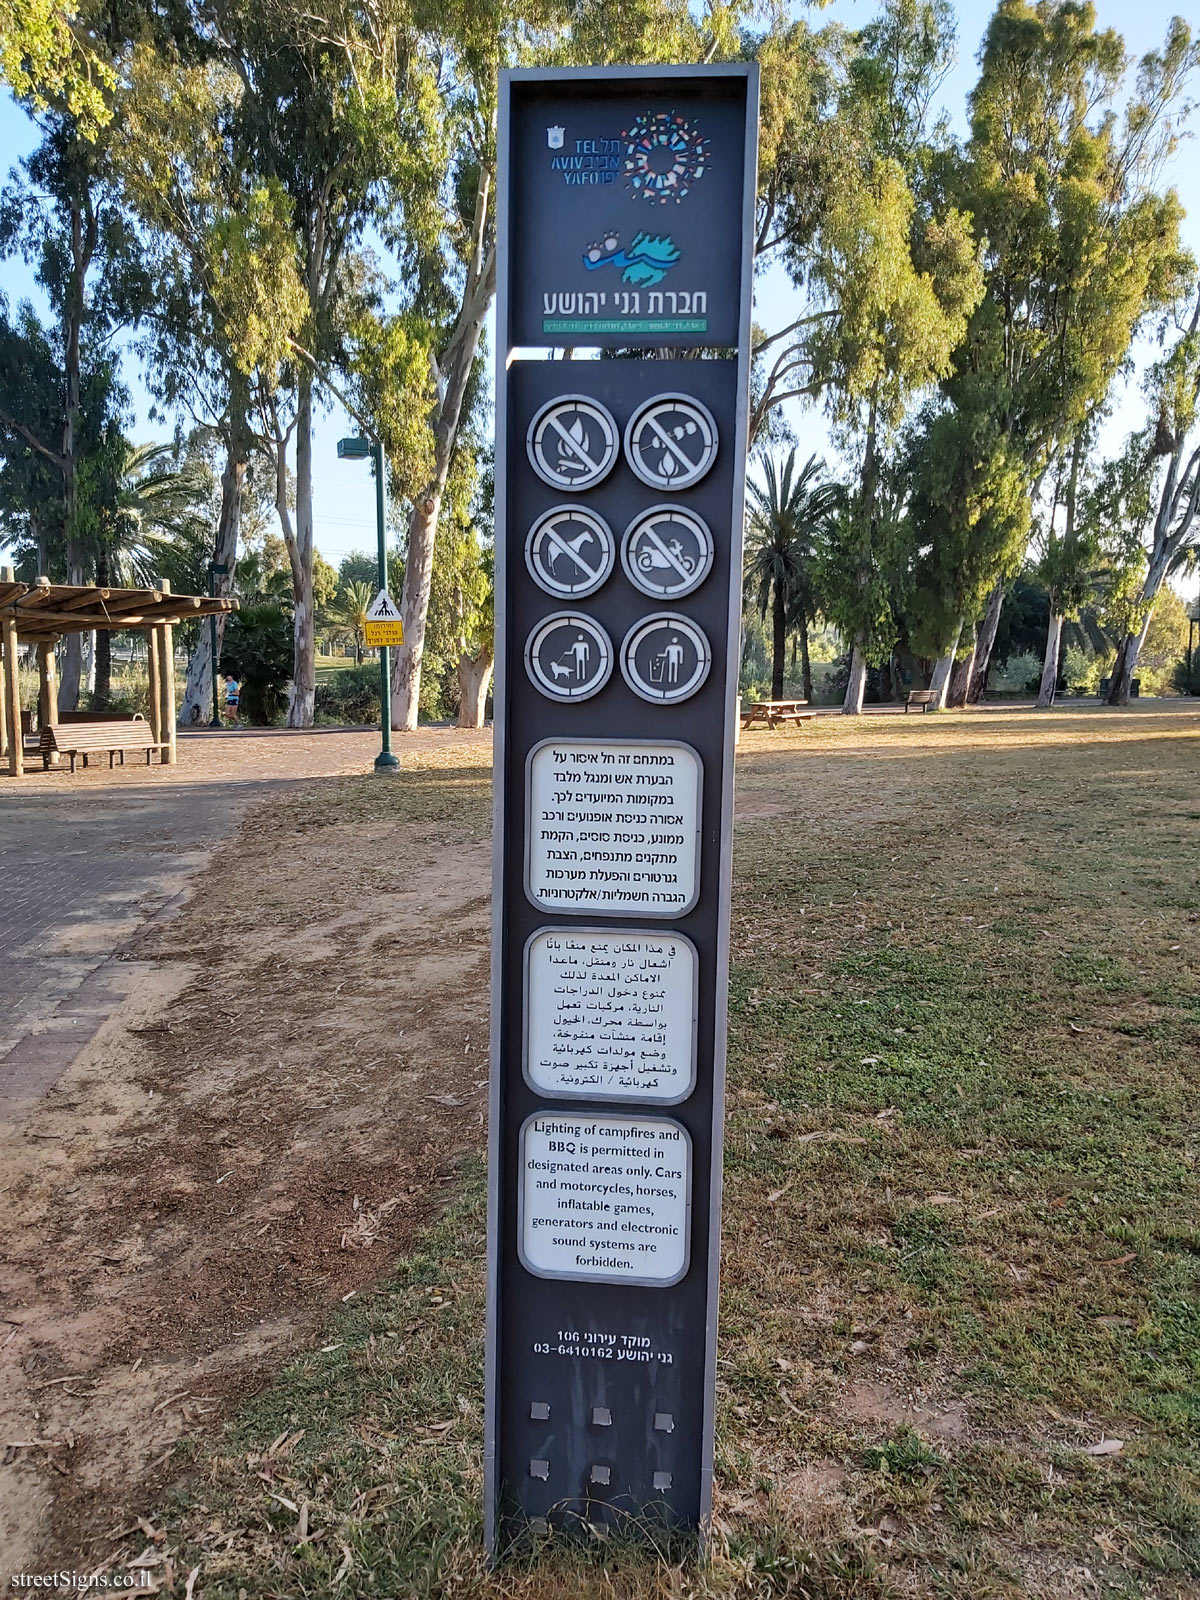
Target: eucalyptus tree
x,y
1156,489
1068,554
227,299
31,487
50,56
1079,247
883,266
62,213
790,519
833,103
421,362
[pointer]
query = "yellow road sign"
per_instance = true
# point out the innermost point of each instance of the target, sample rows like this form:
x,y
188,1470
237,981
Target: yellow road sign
x,y
383,632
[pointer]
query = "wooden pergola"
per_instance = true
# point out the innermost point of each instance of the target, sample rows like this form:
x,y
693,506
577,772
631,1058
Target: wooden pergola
x,y
41,613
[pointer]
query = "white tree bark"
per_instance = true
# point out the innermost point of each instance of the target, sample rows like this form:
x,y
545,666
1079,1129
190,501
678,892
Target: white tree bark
x,y
940,681
1178,510
474,681
197,694
962,674
857,685
1049,682
458,359
71,678
87,647
304,659
985,643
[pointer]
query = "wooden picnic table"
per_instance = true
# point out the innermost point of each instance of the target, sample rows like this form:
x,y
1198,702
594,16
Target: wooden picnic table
x,y
773,712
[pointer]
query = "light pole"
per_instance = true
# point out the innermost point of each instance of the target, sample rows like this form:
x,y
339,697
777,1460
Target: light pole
x,y
359,448
215,569
1193,619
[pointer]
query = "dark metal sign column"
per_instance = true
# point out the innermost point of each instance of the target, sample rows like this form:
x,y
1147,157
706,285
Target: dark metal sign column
x,y
625,221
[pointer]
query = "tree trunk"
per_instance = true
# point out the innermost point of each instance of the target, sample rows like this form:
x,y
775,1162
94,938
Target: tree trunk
x,y
778,642
805,663
897,677
474,681
83,244
304,659
962,673
1049,682
985,643
940,681
71,677
197,693
1124,667
102,681
855,689
422,528
1130,648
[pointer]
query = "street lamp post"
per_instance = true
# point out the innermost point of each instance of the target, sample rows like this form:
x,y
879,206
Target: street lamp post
x,y
359,449
215,569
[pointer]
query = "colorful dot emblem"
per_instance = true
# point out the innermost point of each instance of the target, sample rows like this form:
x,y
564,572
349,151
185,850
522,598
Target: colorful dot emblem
x,y
664,156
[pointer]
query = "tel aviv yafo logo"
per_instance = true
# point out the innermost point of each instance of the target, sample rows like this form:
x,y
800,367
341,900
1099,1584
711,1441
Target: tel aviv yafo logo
x,y
665,156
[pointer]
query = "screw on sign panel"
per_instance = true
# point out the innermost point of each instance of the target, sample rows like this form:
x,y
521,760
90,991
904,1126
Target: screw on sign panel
x,y
569,657
667,552
570,552
671,442
573,442
665,658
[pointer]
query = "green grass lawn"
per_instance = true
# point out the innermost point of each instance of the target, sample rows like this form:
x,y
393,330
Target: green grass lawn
x,y
960,1336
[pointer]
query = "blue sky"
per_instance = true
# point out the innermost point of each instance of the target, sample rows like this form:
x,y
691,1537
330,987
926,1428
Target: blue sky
x,y
344,503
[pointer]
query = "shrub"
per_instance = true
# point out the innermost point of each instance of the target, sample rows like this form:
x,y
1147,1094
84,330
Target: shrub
x,y
258,651
1179,676
1082,670
349,695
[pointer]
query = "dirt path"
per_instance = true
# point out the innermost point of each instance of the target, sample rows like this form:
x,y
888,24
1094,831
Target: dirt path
x,y
250,1135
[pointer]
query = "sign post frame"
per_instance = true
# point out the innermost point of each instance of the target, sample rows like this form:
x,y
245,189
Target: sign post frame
x,y
510,545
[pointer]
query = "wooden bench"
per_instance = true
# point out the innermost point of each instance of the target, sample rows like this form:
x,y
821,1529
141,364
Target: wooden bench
x,y
73,717
773,712
925,698
94,738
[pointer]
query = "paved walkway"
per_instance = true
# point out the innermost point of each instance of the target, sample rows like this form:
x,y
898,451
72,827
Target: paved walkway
x,y
87,860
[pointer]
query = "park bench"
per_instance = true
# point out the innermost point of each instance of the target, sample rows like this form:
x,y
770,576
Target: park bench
x,y
773,712
95,738
925,698
100,716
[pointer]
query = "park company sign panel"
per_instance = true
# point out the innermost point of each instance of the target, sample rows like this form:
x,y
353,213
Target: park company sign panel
x,y
624,222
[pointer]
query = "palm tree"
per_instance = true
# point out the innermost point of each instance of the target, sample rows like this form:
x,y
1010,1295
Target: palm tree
x,y
158,507
350,612
789,516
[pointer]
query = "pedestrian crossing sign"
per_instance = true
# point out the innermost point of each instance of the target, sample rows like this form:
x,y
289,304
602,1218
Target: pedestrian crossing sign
x,y
383,624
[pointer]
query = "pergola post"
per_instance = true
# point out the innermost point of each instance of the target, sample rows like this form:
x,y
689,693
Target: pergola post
x,y
3,704
48,689
166,685
12,699
155,691
47,684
